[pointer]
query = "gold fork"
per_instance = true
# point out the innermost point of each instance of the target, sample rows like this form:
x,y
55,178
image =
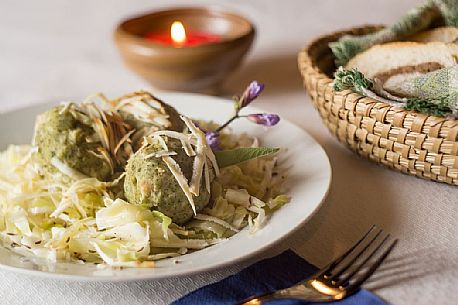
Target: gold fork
x,y
340,278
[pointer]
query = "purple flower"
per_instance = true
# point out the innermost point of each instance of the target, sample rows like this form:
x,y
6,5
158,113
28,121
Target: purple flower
x,y
266,119
212,138
251,92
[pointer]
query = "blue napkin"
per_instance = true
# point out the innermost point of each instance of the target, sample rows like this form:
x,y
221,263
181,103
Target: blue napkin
x,y
270,274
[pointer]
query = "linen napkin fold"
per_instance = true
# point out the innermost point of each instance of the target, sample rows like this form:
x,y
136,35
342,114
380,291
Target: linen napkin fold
x,y
433,93
267,275
432,12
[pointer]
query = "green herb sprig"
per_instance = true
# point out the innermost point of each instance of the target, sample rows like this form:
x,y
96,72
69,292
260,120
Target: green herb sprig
x,y
351,80
438,107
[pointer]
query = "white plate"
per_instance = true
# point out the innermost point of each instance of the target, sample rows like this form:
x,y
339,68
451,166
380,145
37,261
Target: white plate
x,y
308,183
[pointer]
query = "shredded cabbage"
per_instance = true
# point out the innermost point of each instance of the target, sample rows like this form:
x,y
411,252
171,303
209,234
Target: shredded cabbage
x,y
64,215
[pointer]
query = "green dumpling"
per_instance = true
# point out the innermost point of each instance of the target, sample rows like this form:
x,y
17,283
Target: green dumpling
x,y
150,182
68,137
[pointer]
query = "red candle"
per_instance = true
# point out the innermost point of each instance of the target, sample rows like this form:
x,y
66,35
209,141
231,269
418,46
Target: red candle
x,y
179,37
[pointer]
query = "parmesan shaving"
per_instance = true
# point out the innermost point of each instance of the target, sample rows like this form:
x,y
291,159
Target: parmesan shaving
x,y
207,176
144,107
173,134
184,139
66,107
125,138
67,170
98,95
201,140
181,179
198,165
160,154
96,155
107,158
199,160
102,133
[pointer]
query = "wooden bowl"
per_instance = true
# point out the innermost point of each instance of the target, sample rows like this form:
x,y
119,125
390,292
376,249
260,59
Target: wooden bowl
x,y
197,68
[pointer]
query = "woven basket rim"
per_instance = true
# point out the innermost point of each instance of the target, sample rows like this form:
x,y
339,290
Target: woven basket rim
x,y
304,54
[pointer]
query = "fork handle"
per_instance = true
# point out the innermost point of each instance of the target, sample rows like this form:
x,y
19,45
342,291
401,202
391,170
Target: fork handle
x,y
258,299
299,291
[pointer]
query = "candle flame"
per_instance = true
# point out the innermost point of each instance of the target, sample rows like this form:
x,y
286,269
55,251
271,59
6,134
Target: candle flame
x,y
177,32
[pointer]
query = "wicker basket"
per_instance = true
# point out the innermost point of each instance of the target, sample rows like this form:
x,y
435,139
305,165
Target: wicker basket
x,y
410,142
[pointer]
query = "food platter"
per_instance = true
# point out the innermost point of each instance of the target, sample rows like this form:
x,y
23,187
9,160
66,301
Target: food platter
x,y
309,176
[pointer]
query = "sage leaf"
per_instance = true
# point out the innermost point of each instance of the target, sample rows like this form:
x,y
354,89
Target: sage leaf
x,y
230,157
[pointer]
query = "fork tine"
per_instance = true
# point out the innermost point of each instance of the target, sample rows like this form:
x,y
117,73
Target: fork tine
x,y
337,261
363,277
361,265
355,257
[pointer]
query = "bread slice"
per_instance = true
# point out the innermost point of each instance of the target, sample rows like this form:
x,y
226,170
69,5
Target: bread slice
x,y
395,64
386,60
445,34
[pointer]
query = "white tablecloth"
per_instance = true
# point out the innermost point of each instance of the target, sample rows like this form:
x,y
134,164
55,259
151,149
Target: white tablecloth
x,y
53,49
